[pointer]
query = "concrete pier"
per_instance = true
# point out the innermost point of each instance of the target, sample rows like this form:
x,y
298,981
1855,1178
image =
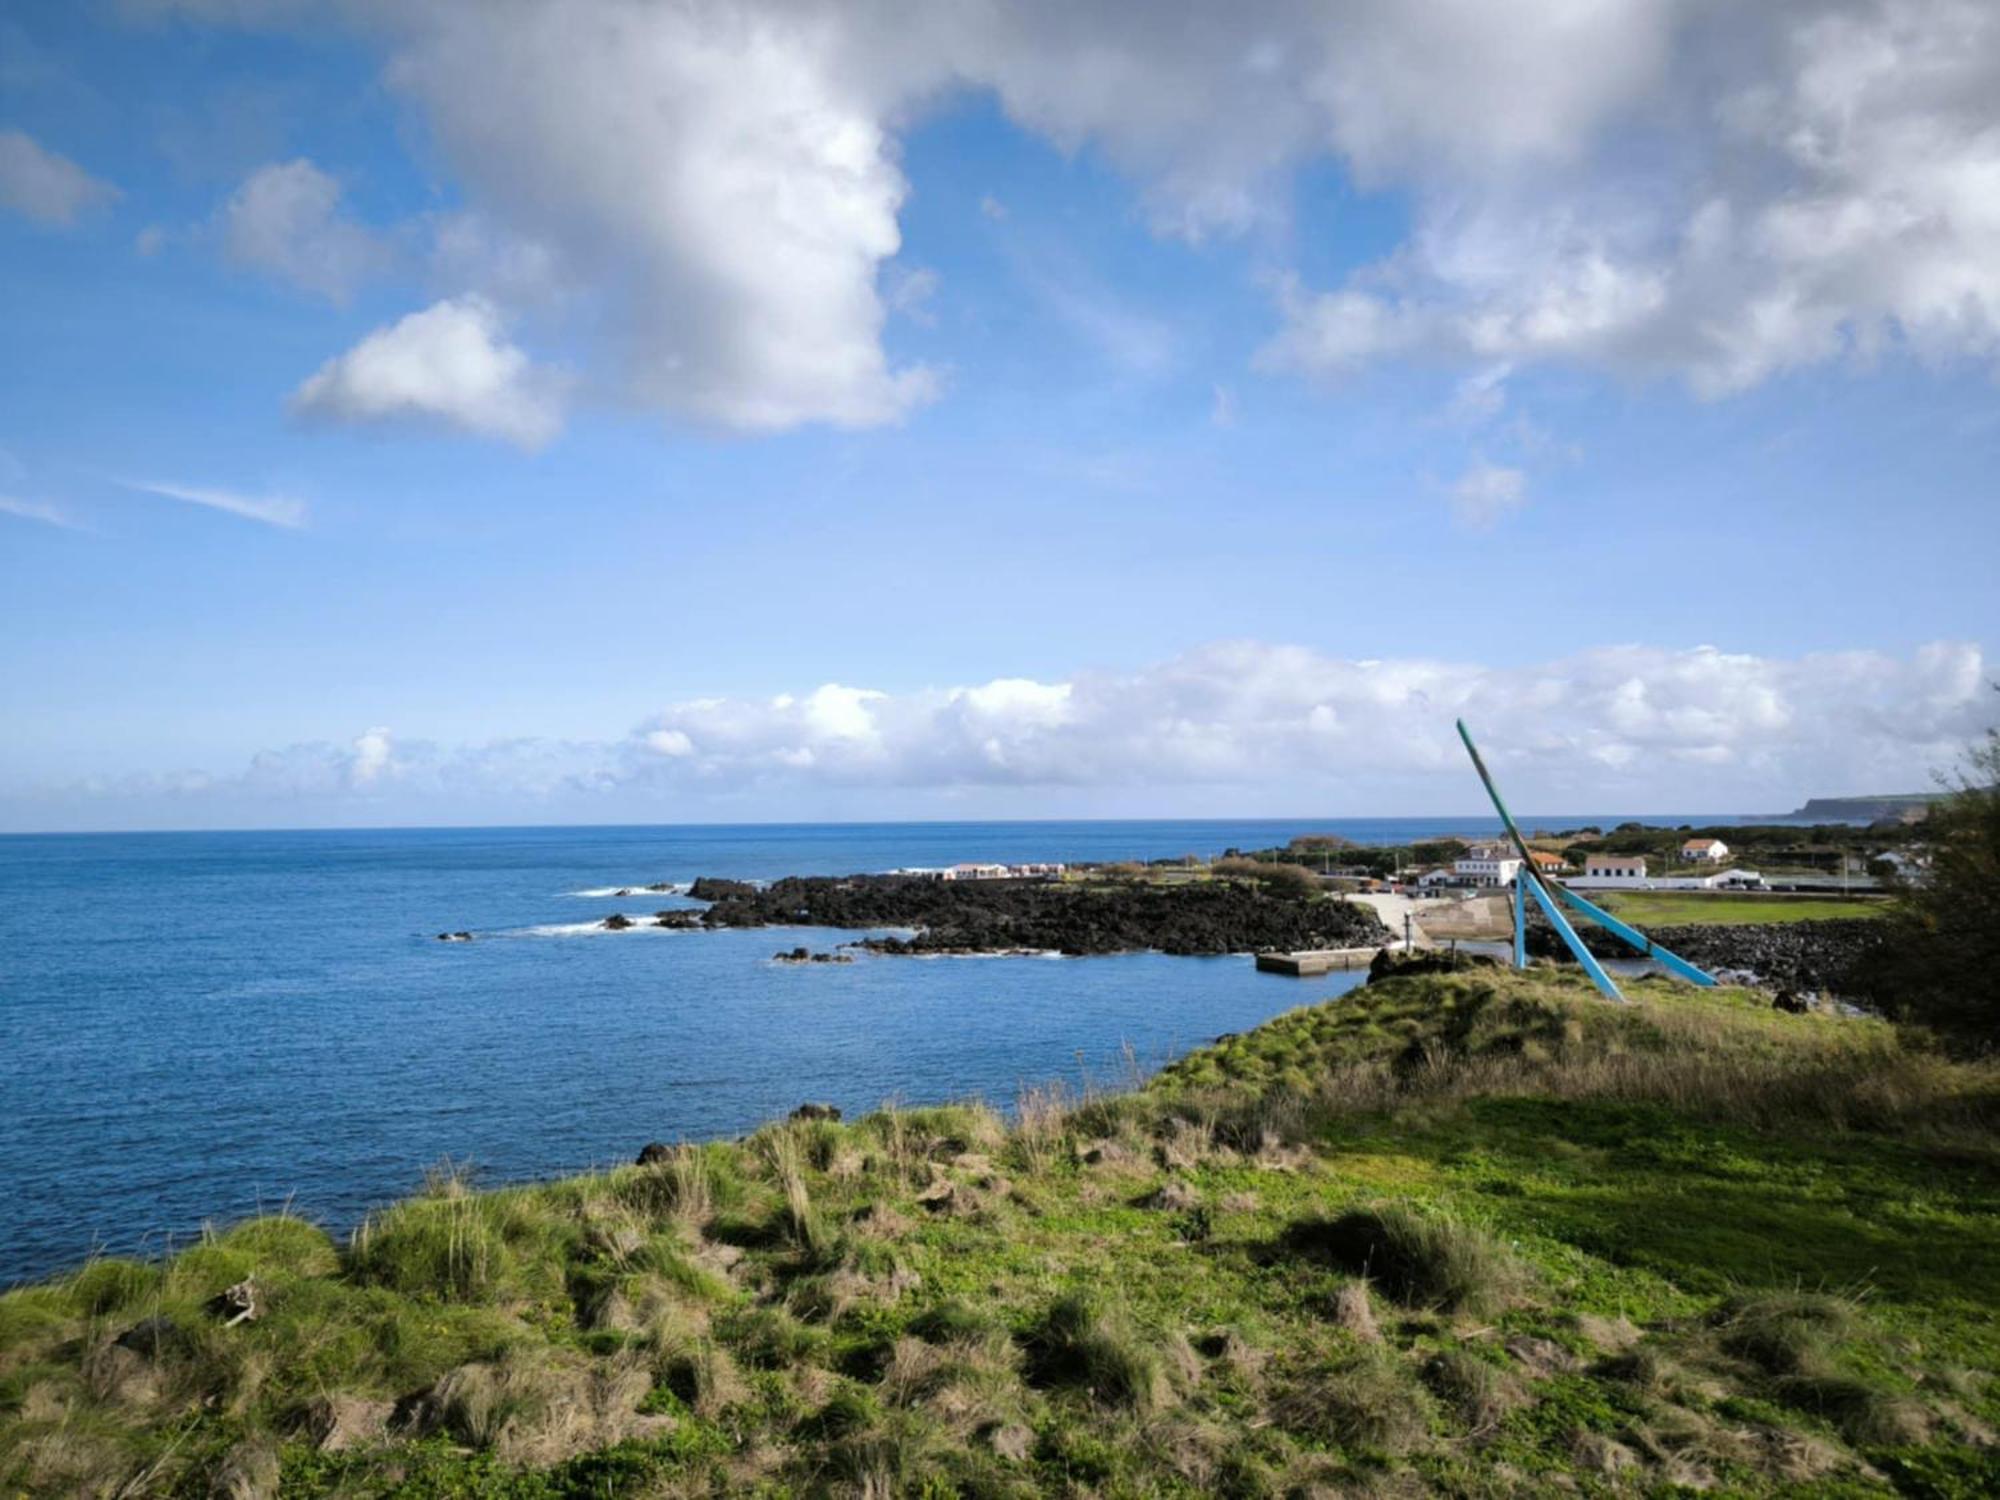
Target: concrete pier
x,y
1317,961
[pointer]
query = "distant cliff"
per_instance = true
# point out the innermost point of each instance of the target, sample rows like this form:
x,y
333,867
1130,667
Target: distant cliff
x,y
1905,807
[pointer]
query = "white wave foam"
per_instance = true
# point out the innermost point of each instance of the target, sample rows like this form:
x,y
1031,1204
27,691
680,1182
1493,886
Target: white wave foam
x,y
611,892
641,922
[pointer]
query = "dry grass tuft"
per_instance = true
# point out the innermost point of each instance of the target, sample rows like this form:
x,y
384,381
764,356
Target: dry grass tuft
x,y
1081,1342
1479,1395
1420,1261
1360,1398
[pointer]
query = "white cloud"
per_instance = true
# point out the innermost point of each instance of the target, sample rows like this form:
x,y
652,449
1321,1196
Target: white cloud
x,y
273,510
38,510
1254,724
1245,713
1486,494
910,293
285,219
724,173
1823,182
451,364
44,186
1714,192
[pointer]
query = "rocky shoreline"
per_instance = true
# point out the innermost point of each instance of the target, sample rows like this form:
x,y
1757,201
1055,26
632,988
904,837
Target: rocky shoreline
x,y
994,917
1809,957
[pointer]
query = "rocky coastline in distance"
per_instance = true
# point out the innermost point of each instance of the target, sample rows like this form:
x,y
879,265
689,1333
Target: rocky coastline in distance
x,y
1076,919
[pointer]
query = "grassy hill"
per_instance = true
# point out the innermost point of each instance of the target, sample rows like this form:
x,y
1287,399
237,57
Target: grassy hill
x,y
1477,1233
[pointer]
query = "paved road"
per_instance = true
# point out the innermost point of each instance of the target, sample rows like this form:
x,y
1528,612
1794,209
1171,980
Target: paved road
x,y
1392,909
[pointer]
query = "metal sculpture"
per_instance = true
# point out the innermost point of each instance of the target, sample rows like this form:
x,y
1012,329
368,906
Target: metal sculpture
x,y
1529,885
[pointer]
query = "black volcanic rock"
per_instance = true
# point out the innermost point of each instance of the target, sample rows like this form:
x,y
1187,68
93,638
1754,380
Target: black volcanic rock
x,y
1023,916
710,888
1799,956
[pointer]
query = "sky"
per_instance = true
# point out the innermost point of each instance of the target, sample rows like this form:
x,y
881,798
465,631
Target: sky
x,y
510,411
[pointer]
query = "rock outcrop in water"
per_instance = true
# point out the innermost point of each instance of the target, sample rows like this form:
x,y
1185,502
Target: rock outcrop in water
x,y
1030,916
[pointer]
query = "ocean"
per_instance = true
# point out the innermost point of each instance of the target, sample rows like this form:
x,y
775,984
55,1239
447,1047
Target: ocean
x,y
199,1027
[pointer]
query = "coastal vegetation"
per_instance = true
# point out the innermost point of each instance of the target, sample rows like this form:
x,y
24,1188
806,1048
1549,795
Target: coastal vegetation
x,y
1940,964
1473,1232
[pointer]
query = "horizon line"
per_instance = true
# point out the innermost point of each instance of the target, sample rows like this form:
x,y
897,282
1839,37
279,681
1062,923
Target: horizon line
x,y
1680,819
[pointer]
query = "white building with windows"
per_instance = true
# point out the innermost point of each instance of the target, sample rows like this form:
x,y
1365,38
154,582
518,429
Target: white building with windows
x,y
1612,870
1487,869
1705,851
1488,864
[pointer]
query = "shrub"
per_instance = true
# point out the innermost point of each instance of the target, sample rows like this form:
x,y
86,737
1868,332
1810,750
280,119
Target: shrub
x,y
1278,879
1420,1261
1940,961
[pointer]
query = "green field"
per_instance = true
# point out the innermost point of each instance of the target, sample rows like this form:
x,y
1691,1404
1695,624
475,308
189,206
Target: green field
x,y
1677,908
1477,1234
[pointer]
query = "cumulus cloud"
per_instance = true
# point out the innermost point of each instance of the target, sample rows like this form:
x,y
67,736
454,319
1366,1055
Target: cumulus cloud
x,y
1821,185
1714,192
285,219
44,186
1486,494
725,172
1241,712
282,511
451,364
1236,724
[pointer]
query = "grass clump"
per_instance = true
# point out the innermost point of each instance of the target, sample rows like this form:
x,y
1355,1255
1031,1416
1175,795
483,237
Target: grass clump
x,y
1477,1392
1363,1399
1787,1333
1080,1342
1420,1260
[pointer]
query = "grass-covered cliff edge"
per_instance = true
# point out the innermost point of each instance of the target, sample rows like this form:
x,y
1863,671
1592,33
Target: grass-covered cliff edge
x,y
1478,1233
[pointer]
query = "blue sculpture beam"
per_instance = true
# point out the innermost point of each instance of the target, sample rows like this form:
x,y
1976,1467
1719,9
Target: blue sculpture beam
x,y
1540,890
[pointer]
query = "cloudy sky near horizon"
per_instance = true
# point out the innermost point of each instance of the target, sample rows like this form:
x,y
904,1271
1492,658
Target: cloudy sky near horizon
x,y
613,410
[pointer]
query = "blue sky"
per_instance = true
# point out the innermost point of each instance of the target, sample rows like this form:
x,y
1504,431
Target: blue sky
x,y
1121,421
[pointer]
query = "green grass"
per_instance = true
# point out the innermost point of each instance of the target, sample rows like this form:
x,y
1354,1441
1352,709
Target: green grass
x,y
1476,1234
1677,909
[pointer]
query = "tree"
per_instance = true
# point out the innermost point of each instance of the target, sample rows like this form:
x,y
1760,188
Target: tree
x,y
1940,965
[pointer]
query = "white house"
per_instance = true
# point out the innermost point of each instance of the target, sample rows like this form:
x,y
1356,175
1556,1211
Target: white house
x,y
1612,870
1487,864
1431,879
1705,851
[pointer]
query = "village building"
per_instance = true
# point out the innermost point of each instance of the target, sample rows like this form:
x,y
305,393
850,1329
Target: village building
x,y
1487,865
1705,851
1614,869
974,870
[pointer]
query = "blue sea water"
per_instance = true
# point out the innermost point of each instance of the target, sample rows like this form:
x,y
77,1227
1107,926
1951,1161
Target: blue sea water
x,y
197,1027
